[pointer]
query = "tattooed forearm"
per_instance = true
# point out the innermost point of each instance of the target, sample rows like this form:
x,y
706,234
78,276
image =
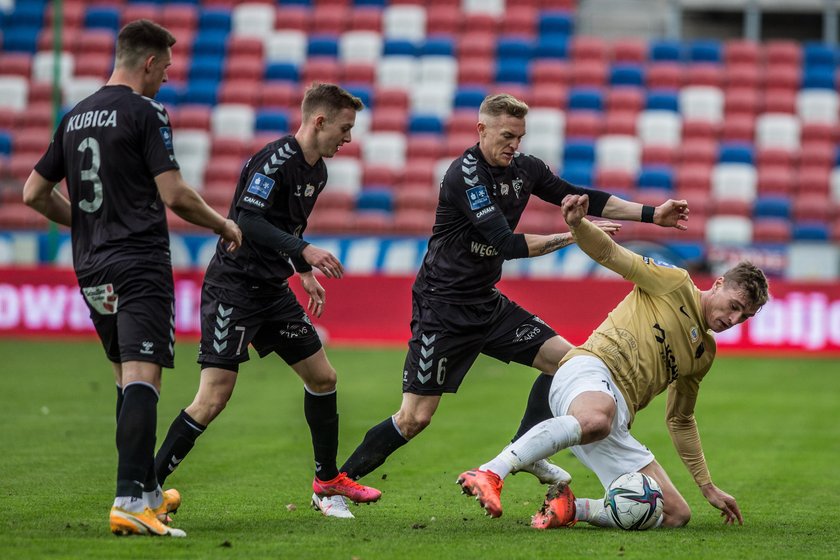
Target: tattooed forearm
x,y
556,242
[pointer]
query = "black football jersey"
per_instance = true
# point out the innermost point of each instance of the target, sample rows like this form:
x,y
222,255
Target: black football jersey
x,y
110,147
460,265
279,184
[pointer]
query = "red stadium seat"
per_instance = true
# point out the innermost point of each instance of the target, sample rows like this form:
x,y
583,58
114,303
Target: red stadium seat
x,y
817,154
782,77
417,197
421,170
37,116
373,223
411,221
176,17
8,118
589,48
191,116
18,216
813,208
239,91
549,96
699,129
814,181
366,18
589,73
550,72
321,69
390,97
475,71
72,15
69,37
225,168
584,124
741,51
818,132
535,222
658,155
487,23
698,204
621,122
94,41
705,75
737,128
282,95
228,146
780,101
16,64
772,230
782,51
476,42
131,12
765,157
244,68
629,50
238,45
664,75
462,121
360,73
741,101
455,144
611,179
21,164
379,176
699,151
423,146
340,200
730,207
521,21
630,99
330,19
294,17
693,176
745,76
389,119
775,180
94,65
445,20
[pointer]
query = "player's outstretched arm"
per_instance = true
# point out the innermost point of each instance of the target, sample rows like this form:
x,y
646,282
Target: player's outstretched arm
x,y
545,244
671,213
41,195
323,260
727,505
188,204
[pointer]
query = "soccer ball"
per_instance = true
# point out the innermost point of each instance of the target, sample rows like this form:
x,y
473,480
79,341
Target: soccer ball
x,y
634,501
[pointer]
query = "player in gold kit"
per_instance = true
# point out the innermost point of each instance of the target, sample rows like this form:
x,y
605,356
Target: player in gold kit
x,y
658,338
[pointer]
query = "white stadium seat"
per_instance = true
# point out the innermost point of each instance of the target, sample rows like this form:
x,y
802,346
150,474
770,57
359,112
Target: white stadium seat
x,y
404,21
492,7
288,45
618,151
817,105
76,89
14,92
345,174
42,66
432,99
729,230
738,181
659,128
360,46
439,70
231,120
384,148
701,103
253,20
834,183
397,72
777,130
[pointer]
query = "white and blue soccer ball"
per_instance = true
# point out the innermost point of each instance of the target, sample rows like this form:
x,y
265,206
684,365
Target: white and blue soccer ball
x,y
634,501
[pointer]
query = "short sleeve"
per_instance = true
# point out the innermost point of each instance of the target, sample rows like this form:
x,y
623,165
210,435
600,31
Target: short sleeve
x,y
51,165
158,143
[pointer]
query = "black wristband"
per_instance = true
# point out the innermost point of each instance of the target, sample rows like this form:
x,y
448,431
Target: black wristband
x,y
647,214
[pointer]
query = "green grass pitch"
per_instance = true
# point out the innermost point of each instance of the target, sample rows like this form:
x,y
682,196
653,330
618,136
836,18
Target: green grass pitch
x,y
770,428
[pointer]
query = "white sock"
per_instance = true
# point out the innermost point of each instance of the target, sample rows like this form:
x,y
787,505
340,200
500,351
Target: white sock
x,y
130,503
593,512
543,440
154,498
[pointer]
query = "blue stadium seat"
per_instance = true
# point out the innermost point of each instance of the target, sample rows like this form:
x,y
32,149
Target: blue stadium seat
x,y
438,46
25,14
578,174
282,71
271,120
380,3
656,177
398,47
556,22
468,97
21,39
586,98
705,51
202,92
169,94
363,92
512,71
375,199
102,17
627,75
5,143
323,45
552,46
210,42
736,152
298,2
818,54
425,124
206,67
810,231
663,100
514,47
666,50
818,77
577,152
772,207
213,19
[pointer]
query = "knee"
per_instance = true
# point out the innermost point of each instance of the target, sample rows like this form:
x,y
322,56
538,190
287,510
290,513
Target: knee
x,y
677,516
594,427
207,406
323,383
412,423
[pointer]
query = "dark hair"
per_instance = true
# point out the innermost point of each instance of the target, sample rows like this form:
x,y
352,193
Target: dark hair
x,y
748,278
330,98
503,104
139,39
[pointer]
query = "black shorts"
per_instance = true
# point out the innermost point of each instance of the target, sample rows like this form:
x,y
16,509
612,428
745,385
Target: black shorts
x,y
447,338
233,319
132,306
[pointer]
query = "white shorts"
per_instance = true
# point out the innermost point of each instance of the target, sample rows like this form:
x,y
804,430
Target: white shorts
x,y
619,452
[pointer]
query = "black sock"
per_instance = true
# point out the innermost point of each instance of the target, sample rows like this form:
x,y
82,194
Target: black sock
x,y
380,441
120,398
179,440
136,438
322,416
537,409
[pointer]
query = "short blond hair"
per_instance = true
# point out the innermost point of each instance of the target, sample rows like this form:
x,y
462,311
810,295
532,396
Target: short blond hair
x,y
503,104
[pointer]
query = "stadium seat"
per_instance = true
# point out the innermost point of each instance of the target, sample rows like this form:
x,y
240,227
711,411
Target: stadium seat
x,y
694,177
321,69
476,42
819,54
810,231
413,222
814,180
431,98
656,177
664,76
102,17
345,174
293,18
14,92
666,50
772,230
251,19
584,124
705,75
744,76
783,51
729,230
618,152
512,71
322,46
782,76
772,207
476,71
591,49
817,105
288,45
555,23
662,100
813,208
741,51
705,51
734,181
659,155
77,88
659,127
179,17
741,101
588,73
385,148
438,70
578,152
329,19
627,75
43,64
614,180
736,152
380,176
271,120
776,130
422,124
444,19
818,154
629,50
701,103
775,180
437,46
397,72
738,128
818,77
210,42
404,22
625,99
586,99
780,101
360,46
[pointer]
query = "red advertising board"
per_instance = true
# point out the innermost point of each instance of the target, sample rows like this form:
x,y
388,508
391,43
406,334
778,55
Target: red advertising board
x,y
370,310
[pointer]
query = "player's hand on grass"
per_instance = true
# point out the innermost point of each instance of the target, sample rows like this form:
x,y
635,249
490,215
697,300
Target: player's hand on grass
x,y
231,233
574,208
317,294
727,505
671,213
323,260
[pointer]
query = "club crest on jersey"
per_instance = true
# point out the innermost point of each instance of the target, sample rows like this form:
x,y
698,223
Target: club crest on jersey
x,y
517,186
261,185
694,334
478,197
504,188
309,190
166,134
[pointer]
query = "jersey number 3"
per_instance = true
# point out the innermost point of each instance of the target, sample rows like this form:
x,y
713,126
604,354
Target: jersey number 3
x,y
91,174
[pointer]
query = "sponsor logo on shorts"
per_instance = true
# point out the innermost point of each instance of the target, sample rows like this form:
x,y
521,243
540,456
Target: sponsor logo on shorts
x,y
102,299
295,331
526,332
147,347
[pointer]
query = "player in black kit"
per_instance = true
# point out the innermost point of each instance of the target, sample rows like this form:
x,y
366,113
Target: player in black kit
x,y
457,311
115,150
246,299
